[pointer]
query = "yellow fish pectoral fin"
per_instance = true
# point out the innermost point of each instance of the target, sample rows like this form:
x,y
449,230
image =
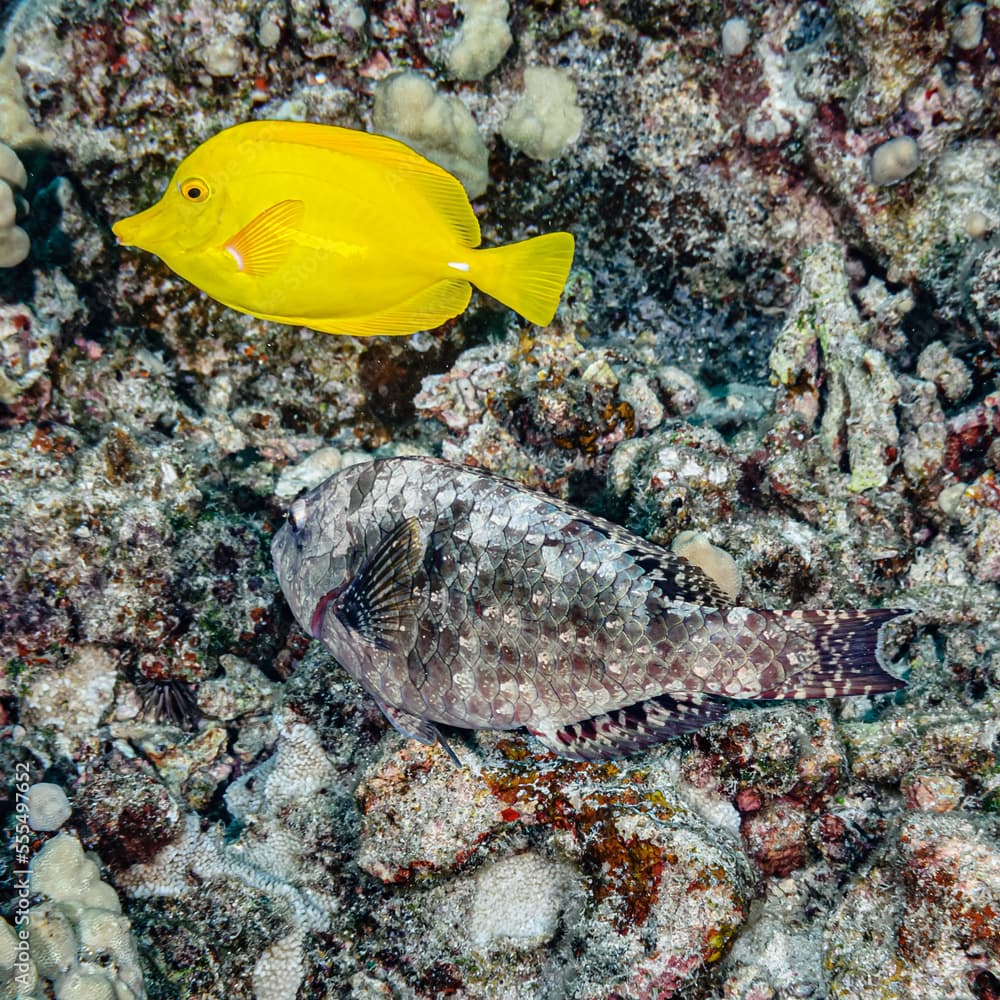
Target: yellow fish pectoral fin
x,y
424,311
262,245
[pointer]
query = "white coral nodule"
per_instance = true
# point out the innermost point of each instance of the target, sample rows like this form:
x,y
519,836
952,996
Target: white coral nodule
x,y
14,243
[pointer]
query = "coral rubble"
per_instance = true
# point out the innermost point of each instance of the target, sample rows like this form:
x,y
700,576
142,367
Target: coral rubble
x,y
781,338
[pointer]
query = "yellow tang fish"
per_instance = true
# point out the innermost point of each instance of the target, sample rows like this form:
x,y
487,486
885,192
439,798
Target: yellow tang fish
x,y
337,230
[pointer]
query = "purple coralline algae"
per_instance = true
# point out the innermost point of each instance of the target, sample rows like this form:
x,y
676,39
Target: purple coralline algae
x,y
630,889
782,332
927,908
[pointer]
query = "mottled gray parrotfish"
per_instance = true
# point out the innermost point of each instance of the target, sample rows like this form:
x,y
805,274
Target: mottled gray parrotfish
x,y
455,597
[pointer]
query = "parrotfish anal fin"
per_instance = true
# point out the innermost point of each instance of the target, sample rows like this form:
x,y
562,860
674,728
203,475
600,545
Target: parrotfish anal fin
x,y
848,654
261,246
415,728
425,311
633,727
434,183
377,605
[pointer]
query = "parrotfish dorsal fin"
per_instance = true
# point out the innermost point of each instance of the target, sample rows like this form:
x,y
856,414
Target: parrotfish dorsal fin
x,y
677,578
261,246
377,605
440,188
633,727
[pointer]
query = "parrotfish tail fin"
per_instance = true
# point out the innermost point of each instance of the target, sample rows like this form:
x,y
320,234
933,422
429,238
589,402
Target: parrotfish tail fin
x,y
528,277
848,647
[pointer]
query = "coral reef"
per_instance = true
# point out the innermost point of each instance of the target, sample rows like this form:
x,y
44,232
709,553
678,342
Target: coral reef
x,y
25,348
860,386
781,332
80,946
14,242
927,910
637,893
284,809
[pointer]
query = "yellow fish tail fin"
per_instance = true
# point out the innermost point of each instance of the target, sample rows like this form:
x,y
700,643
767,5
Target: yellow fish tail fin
x,y
529,277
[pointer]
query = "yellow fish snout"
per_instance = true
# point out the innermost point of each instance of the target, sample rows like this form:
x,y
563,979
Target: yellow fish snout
x,y
145,230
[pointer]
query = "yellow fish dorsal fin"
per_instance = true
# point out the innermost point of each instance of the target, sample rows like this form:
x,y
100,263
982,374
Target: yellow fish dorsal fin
x,y
443,191
263,243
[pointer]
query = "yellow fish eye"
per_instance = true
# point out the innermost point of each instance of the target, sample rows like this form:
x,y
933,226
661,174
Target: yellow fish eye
x,y
194,189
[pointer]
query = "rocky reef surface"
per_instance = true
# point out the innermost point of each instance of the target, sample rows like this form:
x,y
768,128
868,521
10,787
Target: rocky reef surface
x,y
782,330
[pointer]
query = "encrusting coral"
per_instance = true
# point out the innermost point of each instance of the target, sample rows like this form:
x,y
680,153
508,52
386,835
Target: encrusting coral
x,y
437,125
277,804
17,127
14,242
482,40
547,119
80,945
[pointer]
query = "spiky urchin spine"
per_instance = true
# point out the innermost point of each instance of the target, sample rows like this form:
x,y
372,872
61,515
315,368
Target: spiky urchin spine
x,y
169,700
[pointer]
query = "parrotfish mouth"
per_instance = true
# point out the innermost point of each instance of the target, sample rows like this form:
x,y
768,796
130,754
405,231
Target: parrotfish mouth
x,y
316,621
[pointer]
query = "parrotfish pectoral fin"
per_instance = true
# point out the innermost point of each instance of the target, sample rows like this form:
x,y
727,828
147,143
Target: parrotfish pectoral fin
x,y
633,727
445,746
262,245
528,277
415,728
378,604
425,311
411,726
848,654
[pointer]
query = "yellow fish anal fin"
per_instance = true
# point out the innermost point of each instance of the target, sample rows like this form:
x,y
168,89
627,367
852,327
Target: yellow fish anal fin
x,y
443,191
261,246
425,311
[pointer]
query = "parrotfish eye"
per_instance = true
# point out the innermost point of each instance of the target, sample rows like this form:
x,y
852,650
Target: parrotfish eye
x,y
297,514
195,189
